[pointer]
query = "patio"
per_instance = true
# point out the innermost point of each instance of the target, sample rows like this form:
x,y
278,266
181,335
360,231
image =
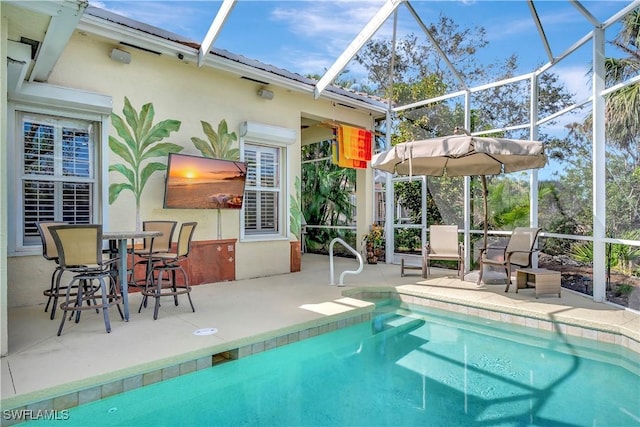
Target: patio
x,y
43,371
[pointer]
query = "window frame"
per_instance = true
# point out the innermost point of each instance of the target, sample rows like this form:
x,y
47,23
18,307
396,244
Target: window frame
x,y
269,137
16,175
264,152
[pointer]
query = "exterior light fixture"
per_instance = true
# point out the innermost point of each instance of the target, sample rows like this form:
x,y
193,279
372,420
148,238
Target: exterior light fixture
x,y
265,93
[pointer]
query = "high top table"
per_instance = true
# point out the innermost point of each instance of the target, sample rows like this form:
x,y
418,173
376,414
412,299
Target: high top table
x,y
121,237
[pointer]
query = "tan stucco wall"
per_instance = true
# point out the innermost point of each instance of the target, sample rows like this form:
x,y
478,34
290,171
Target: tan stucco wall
x,y
190,94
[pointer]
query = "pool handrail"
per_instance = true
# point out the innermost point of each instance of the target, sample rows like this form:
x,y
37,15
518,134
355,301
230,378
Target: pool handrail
x,y
353,251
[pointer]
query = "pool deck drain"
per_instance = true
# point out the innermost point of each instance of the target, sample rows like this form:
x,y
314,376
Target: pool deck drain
x,y
205,331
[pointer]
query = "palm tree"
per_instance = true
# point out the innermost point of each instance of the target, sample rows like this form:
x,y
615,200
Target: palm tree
x,y
622,106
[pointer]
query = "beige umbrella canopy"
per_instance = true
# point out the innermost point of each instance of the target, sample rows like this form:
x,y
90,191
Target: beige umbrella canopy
x,y
462,155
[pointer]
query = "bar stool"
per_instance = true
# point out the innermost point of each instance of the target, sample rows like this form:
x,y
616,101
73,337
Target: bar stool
x,y
80,251
50,252
157,285
151,246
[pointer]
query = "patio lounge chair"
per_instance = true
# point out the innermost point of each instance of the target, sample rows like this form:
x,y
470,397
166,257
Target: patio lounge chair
x,y
443,245
517,252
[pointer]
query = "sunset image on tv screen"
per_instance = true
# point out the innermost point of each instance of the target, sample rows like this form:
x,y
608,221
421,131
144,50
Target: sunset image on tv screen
x,y
203,183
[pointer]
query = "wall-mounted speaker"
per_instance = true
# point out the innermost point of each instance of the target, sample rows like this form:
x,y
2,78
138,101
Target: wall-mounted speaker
x,y
121,56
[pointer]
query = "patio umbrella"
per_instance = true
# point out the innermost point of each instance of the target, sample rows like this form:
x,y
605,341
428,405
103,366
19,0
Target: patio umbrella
x,y
462,155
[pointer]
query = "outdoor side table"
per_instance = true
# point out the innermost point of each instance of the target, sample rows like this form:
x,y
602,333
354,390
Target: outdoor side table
x,y
404,266
544,281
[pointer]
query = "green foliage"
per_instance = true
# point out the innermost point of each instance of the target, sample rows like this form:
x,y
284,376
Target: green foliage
x,y
620,257
327,191
296,212
220,144
408,240
508,204
575,185
574,152
326,197
555,216
626,258
583,252
622,106
375,236
624,289
140,142
408,194
318,240
420,73
415,60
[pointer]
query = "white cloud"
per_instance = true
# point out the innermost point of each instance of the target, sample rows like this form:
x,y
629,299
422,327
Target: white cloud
x,y
575,79
177,17
326,27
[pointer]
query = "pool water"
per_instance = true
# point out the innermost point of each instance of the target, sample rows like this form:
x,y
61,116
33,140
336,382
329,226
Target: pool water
x,y
409,366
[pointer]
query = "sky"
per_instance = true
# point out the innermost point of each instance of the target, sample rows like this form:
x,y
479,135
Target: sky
x,y
306,37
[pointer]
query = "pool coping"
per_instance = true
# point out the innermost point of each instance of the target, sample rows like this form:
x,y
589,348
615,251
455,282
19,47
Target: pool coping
x,y
57,398
585,328
72,394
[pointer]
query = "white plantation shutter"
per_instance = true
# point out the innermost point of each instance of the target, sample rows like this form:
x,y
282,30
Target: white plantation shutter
x,y
58,179
262,191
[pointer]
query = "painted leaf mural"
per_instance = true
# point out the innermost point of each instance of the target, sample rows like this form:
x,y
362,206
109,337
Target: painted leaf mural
x,y
139,142
220,144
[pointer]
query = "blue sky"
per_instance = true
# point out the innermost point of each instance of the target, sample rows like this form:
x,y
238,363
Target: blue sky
x,y
308,36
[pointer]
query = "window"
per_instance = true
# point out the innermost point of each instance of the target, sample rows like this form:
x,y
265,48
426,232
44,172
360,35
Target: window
x,y
263,191
265,209
55,172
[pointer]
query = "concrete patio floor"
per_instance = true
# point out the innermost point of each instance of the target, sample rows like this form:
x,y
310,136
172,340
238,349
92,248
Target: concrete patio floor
x,y
41,365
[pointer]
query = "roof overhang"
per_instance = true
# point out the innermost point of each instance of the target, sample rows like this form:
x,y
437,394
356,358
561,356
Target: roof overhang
x,y
64,16
132,33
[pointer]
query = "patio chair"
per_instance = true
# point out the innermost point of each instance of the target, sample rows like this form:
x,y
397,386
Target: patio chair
x,y
169,263
518,252
80,251
443,245
151,246
50,252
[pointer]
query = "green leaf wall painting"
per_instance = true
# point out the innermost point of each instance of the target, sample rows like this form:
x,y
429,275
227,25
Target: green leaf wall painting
x,y
140,141
220,144
296,212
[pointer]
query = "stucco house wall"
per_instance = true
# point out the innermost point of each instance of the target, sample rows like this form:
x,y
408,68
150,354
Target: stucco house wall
x,y
182,91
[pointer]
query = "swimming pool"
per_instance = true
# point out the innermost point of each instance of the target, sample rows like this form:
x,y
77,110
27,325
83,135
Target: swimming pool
x,y
409,366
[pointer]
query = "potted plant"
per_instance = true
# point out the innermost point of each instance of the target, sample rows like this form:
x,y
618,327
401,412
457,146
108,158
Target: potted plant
x,y
373,240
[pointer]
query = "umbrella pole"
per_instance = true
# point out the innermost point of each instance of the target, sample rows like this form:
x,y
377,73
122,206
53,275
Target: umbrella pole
x,y
485,193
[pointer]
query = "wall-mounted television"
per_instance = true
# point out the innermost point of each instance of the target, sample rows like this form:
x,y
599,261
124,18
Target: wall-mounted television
x,y
195,182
